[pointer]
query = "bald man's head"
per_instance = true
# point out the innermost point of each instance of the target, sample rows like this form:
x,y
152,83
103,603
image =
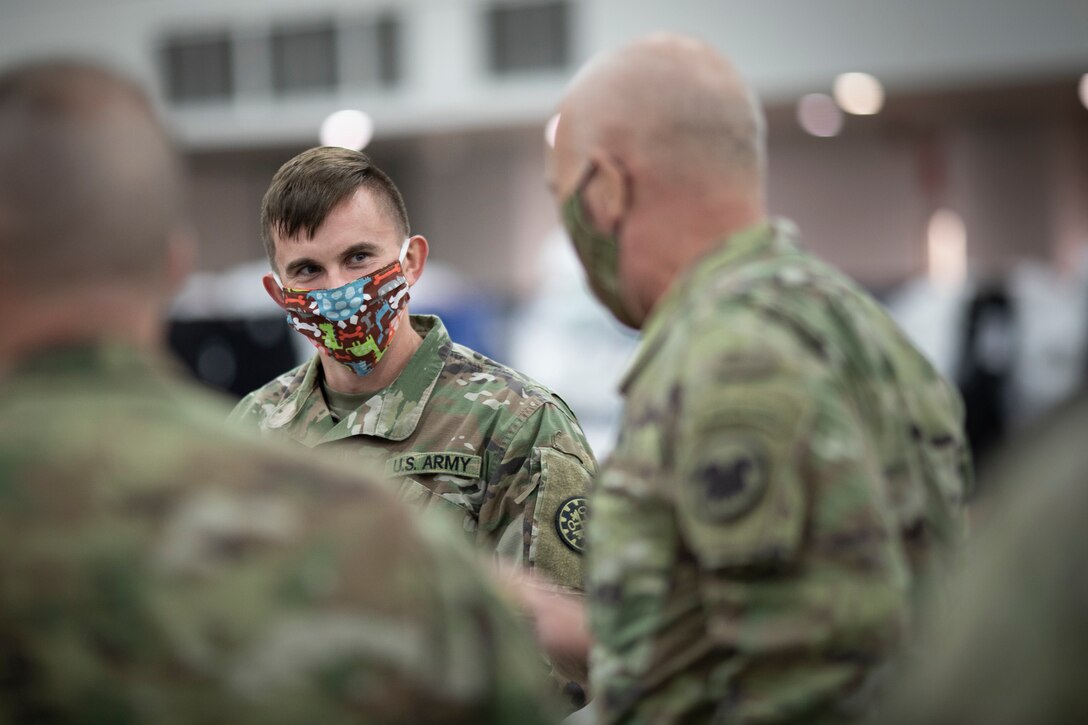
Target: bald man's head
x,y
89,183
673,103
658,157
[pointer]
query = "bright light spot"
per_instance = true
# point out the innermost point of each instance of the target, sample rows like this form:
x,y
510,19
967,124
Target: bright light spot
x,y
947,249
349,129
819,115
1084,90
859,93
550,129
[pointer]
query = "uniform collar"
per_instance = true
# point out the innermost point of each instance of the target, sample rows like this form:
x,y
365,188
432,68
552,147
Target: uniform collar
x,y
95,359
391,413
735,251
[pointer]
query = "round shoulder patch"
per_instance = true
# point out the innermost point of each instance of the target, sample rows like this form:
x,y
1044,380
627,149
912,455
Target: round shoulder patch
x,y
570,521
731,482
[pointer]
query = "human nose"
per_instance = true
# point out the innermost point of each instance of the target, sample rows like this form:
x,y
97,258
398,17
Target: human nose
x,y
340,277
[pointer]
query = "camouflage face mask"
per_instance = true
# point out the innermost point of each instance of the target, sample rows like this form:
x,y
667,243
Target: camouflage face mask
x,y
354,323
598,252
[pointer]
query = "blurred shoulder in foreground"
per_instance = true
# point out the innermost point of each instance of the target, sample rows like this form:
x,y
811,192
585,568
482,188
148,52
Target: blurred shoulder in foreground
x,y
1012,646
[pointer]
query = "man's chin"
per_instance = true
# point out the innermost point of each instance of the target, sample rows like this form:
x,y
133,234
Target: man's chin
x,y
329,363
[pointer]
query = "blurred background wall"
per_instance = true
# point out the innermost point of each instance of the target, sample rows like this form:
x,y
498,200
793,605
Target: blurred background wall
x,y
963,202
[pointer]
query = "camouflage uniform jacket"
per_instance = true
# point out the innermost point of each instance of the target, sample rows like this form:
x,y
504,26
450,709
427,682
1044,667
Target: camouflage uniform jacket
x,y
788,469
461,433
161,566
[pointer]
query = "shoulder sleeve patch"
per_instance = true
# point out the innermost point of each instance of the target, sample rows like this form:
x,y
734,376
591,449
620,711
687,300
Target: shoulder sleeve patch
x,y
559,517
740,497
570,521
731,480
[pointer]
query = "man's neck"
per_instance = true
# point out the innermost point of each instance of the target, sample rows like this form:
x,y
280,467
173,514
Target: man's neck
x,y
86,317
705,229
343,379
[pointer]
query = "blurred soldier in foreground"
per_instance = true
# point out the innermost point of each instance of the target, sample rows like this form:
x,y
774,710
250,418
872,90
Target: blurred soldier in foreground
x,y
499,455
789,468
157,565
1012,646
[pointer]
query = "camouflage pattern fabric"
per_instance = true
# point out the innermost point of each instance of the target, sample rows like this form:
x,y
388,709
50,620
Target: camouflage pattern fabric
x,y
499,456
1010,646
498,453
788,473
160,566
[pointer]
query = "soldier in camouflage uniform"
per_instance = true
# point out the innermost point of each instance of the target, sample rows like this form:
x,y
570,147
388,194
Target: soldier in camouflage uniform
x,y
789,469
158,564
498,454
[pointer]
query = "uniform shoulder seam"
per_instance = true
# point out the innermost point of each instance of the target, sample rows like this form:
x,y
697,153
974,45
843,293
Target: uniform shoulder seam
x,y
484,364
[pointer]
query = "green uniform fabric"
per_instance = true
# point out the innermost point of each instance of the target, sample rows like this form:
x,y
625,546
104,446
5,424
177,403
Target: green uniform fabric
x,y
788,472
497,453
1010,644
159,565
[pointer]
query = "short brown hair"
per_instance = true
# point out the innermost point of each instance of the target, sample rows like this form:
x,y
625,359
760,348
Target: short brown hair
x,y
308,187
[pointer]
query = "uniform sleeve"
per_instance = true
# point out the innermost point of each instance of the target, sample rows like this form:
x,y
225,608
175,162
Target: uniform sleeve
x,y
486,645
538,512
740,498
744,403
780,499
540,504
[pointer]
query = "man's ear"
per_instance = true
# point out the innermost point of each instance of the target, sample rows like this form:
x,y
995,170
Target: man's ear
x,y
608,193
415,259
273,289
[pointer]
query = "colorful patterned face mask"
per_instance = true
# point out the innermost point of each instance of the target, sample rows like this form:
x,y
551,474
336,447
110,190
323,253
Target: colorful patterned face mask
x,y
598,252
353,323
